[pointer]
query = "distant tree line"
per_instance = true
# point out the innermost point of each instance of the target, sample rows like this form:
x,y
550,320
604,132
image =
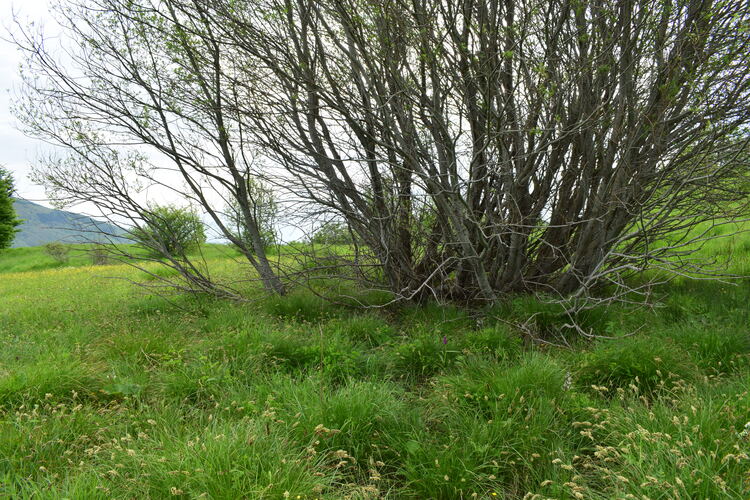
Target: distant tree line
x,y
469,149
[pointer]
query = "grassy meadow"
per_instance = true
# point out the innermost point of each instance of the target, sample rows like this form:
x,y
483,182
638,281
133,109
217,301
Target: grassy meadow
x,y
107,391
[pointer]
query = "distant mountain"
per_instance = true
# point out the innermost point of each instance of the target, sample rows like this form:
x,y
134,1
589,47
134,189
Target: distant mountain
x,y
43,225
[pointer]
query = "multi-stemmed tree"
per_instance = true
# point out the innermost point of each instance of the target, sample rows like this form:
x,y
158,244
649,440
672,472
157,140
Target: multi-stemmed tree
x,y
473,148
489,147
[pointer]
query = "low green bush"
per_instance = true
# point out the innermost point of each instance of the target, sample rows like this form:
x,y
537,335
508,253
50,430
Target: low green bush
x,y
58,251
169,230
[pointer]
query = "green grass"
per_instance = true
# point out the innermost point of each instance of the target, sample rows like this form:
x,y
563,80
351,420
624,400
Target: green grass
x,y
15,260
109,392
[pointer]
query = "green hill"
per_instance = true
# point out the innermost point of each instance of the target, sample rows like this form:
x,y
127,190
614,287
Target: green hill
x,y
43,225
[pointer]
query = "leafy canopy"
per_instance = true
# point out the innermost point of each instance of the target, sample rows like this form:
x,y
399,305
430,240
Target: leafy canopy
x,y
169,229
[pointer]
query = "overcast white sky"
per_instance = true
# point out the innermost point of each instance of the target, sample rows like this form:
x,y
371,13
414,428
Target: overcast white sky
x,y
18,152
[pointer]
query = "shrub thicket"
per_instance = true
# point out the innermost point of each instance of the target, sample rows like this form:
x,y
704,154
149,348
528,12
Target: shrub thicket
x,y
170,230
58,251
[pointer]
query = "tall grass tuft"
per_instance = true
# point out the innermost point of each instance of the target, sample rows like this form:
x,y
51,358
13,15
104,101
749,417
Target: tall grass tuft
x,y
640,363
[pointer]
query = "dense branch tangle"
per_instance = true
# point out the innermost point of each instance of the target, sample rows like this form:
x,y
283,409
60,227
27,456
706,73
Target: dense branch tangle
x,y
519,145
474,147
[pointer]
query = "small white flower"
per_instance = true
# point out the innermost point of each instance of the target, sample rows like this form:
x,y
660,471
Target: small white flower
x,y
568,383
